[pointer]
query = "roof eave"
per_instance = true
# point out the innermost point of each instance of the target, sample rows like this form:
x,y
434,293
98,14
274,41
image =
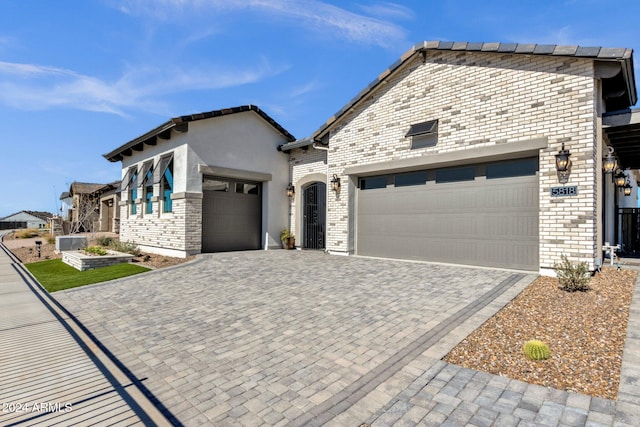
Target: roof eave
x,y
623,55
116,155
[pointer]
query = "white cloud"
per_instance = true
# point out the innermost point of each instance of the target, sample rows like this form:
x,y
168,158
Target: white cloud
x,y
312,15
37,87
388,10
304,89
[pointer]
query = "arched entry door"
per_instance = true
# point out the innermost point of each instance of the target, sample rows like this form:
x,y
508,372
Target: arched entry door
x,y
314,215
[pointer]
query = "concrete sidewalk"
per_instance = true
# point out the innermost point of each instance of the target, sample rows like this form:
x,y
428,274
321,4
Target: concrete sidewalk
x,y
52,372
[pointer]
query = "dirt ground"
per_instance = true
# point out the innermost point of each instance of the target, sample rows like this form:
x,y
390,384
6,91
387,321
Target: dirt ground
x,y
26,251
585,331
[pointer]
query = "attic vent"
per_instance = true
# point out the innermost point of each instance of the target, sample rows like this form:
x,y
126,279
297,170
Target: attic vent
x,y
423,134
423,128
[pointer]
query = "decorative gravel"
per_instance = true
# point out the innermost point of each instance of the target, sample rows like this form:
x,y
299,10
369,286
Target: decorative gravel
x,y
584,330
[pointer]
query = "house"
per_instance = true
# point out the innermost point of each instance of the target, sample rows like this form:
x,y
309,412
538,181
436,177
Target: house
x,y
26,219
92,206
490,154
485,154
205,182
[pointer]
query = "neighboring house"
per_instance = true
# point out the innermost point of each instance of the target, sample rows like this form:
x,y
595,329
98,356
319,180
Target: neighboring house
x,y
31,219
206,182
109,214
92,207
450,156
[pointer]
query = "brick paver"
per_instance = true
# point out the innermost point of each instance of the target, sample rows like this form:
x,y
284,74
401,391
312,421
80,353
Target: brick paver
x,y
288,338
272,337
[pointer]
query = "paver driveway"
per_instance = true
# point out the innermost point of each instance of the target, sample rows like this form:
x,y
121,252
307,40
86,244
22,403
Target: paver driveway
x,y
286,337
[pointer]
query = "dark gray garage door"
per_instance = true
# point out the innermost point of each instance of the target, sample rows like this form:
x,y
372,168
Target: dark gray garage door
x,y
231,215
480,215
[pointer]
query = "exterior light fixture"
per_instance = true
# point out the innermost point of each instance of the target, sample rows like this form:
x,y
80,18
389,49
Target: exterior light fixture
x,y
620,179
291,191
609,162
335,183
627,188
562,160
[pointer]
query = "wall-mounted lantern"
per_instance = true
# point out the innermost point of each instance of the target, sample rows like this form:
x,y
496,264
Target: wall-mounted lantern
x,y
291,191
609,162
335,183
620,179
562,160
627,188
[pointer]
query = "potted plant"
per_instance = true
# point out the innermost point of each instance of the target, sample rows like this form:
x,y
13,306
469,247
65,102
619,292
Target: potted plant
x,y
288,240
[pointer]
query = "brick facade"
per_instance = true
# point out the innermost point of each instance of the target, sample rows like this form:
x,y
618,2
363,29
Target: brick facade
x,y
178,233
480,100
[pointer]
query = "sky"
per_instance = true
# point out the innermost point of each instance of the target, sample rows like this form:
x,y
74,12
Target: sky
x,y
79,78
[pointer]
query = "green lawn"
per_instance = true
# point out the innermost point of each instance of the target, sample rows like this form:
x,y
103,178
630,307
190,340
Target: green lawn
x,y
55,275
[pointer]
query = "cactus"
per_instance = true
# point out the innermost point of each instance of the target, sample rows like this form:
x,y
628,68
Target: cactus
x,y
536,350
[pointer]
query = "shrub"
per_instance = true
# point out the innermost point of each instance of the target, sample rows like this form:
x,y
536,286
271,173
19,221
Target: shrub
x,y
51,240
105,241
95,250
26,233
572,277
285,234
126,247
536,350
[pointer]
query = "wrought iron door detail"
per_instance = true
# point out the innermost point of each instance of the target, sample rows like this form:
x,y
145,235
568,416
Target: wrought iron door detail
x,y
629,223
314,215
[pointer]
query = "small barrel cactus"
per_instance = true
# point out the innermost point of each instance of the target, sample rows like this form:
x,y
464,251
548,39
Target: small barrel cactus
x,y
536,350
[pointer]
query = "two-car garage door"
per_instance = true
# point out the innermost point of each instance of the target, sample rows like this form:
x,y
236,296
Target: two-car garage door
x,y
485,214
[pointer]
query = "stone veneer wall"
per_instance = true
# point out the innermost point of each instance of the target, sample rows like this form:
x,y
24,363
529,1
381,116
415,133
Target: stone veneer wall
x,y
482,99
178,233
307,166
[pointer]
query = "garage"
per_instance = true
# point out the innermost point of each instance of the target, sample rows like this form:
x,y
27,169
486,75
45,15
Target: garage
x,y
231,215
484,214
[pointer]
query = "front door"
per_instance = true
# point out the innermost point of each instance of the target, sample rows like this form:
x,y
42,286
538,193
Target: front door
x,y
314,215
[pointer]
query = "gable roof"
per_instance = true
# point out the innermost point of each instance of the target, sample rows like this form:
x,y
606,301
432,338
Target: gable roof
x,y
44,216
84,188
181,124
89,188
623,56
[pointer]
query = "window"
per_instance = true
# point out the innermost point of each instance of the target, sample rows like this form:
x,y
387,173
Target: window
x,y
247,188
214,184
129,184
424,134
133,193
148,191
521,167
455,174
373,182
413,178
163,175
167,188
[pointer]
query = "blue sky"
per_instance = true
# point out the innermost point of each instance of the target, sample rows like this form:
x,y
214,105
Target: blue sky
x,y
79,78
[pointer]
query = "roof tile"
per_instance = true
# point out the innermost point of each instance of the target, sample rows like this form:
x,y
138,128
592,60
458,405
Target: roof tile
x,y
585,51
565,50
525,48
544,49
507,47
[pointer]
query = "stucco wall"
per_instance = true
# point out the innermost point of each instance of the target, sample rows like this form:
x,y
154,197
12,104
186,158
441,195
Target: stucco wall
x,y
242,141
482,100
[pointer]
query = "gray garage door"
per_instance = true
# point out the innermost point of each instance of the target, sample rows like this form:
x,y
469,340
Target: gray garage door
x,y
231,215
480,215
